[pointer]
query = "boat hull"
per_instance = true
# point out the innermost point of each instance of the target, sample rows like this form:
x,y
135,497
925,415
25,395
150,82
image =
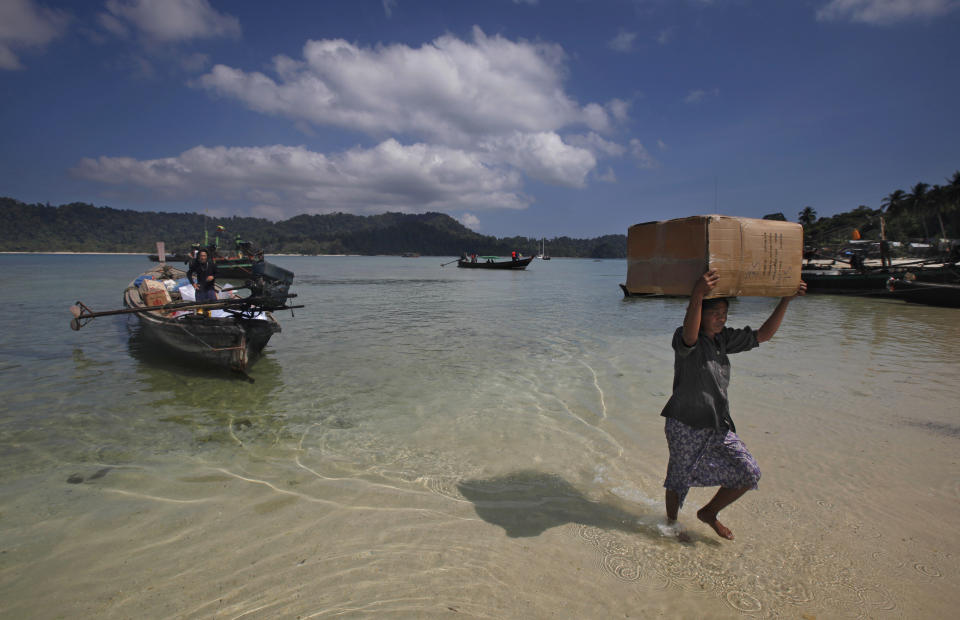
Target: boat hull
x,y
926,293
871,283
232,342
506,264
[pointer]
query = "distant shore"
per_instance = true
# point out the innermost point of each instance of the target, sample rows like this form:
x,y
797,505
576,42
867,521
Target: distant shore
x,y
150,254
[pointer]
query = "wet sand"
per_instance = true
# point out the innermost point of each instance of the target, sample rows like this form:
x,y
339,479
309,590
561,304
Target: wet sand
x,y
444,468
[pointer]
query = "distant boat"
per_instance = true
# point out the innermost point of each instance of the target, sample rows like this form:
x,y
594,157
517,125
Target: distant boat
x,y
543,253
491,262
178,257
238,265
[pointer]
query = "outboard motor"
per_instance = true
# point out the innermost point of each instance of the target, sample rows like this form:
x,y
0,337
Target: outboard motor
x,y
272,283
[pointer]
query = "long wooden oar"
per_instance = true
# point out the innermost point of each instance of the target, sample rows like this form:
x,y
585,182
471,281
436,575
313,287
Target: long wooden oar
x,y
450,263
83,315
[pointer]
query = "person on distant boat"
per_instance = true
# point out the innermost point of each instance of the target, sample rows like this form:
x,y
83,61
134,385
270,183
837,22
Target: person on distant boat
x,y
857,262
513,256
205,271
704,448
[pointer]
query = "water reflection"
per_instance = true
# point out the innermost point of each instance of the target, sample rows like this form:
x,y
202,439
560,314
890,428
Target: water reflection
x,y
214,404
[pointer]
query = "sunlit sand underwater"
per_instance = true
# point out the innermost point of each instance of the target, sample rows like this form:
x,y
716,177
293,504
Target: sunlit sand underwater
x,y
422,441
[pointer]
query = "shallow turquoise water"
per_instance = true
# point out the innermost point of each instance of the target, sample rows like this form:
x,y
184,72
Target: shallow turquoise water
x,y
406,391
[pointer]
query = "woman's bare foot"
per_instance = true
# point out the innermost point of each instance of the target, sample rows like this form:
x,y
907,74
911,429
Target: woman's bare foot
x,y
671,529
711,519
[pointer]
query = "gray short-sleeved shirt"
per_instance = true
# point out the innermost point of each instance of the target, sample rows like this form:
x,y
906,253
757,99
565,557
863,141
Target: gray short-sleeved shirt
x,y
701,374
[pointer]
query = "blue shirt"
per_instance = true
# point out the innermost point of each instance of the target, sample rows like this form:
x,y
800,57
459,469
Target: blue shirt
x,y
701,374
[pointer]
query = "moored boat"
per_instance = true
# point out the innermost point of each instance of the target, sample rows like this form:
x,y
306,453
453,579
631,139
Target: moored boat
x,y
230,332
491,262
222,337
927,293
872,282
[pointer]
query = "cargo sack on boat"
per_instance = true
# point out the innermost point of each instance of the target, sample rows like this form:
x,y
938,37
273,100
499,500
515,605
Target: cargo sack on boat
x,y
755,258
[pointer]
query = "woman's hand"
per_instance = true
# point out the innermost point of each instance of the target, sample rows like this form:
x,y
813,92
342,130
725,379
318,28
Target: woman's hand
x,y
706,283
801,290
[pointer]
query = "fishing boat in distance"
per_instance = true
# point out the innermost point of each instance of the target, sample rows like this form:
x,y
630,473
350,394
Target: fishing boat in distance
x,y
492,262
235,264
230,332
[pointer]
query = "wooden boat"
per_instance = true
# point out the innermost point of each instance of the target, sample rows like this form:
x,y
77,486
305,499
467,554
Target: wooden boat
x,y
927,293
491,262
179,257
238,264
872,282
229,338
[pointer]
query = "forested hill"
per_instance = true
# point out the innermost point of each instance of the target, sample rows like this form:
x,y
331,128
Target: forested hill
x,y
80,227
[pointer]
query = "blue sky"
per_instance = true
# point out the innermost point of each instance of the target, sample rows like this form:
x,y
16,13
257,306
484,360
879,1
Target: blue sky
x,y
517,117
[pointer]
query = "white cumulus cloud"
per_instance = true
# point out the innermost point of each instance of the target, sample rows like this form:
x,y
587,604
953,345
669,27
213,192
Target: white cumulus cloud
x,y
642,155
168,20
449,90
290,180
543,156
470,220
881,12
623,42
698,95
25,24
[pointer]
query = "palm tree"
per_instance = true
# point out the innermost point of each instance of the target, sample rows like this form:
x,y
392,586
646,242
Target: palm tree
x,y
951,202
918,203
893,204
936,199
807,217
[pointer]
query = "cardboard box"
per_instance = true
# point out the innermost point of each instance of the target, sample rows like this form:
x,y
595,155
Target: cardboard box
x,y
148,285
156,297
755,258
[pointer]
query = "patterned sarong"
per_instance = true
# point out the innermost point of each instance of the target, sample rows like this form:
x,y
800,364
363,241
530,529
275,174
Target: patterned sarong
x,y
704,457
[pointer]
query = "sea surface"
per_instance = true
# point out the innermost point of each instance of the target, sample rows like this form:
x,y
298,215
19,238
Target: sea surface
x,y
425,441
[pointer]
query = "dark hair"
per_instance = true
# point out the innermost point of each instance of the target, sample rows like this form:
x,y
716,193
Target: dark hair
x,y
709,304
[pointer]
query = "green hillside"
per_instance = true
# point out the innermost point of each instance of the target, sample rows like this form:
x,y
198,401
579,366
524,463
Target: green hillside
x,y
80,227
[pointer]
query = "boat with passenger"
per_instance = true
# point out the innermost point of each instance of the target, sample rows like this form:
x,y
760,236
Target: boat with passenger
x,y
230,332
494,262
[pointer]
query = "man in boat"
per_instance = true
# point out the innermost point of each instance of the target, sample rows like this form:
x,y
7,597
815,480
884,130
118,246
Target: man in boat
x,y
205,271
704,448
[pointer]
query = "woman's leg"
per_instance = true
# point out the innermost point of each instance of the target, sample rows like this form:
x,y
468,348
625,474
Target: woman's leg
x,y
723,498
673,505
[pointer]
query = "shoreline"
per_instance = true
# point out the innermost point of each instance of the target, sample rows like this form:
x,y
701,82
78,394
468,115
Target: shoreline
x,y
147,254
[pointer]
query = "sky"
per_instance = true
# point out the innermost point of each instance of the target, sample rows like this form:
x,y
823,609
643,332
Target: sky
x,y
540,118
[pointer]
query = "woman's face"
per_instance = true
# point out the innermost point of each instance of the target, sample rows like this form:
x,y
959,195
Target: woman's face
x,y
713,319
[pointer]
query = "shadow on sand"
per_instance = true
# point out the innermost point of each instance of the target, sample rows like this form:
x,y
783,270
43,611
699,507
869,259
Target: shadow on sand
x,y
527,503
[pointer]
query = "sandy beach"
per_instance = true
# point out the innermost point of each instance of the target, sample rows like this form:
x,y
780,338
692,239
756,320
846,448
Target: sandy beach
x,y
404,454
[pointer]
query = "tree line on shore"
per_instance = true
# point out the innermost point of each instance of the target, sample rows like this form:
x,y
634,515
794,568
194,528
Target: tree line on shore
x,y
81,227
924,213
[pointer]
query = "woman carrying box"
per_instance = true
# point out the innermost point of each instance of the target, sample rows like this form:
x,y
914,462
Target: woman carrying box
x,y
704,447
